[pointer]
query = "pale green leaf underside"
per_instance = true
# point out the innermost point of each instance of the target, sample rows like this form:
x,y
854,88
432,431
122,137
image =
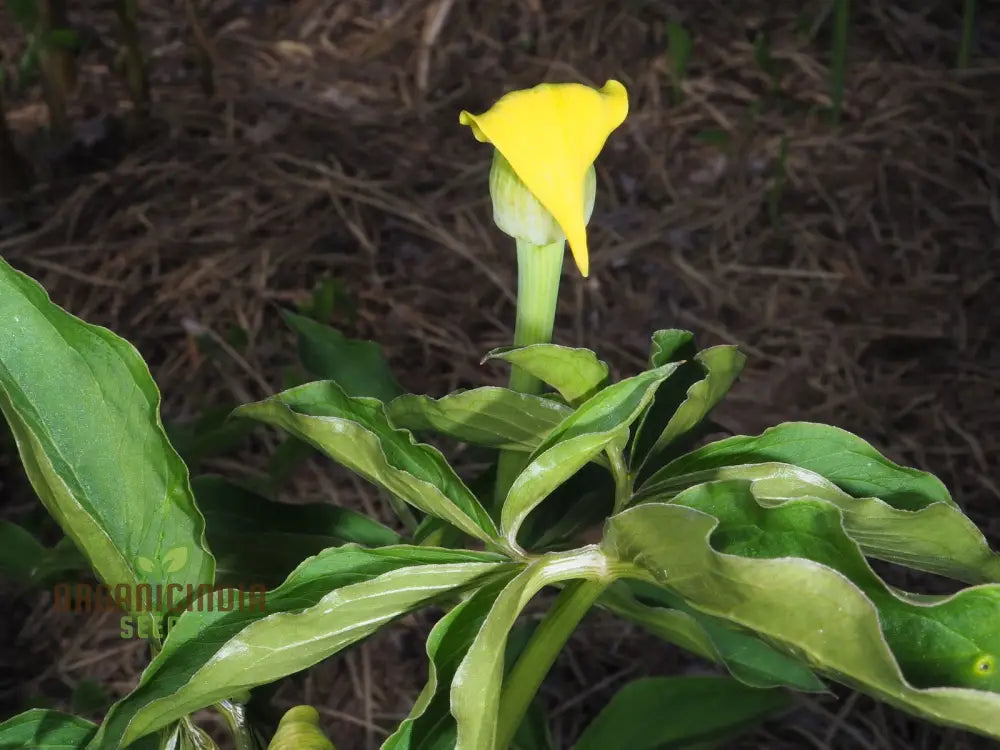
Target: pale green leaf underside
x,y
356,433
747,658
937,538
475,690
430,723
807,608
843,458
330,601
595,425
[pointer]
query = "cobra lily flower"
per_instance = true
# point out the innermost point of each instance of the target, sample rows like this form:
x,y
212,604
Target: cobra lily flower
x,y
546,141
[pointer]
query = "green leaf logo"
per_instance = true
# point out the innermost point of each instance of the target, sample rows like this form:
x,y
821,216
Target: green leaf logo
x,y
175,559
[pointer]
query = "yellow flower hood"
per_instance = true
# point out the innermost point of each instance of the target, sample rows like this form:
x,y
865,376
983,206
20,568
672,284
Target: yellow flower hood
x,y
550,135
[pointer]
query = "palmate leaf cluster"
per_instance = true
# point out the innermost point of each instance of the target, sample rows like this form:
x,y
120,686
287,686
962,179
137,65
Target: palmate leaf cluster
x,y
749,551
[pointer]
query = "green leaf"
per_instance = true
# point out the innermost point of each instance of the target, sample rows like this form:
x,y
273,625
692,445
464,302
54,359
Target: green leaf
x,y
475,690
43,729
62,39
175,559
680,46
260,540
937,538
714,137
582,502
355,432
671,345
594,426
939,641
210,435
489,416
719,366
84,411
330,296
761,572
27,66
332,600
21,555
748,659
762,56
358,366
533,734
655,713
90,696
577,374
24,12
290,454
430,725
845,459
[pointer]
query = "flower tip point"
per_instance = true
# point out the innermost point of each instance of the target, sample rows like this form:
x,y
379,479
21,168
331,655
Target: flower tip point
x,y
581,255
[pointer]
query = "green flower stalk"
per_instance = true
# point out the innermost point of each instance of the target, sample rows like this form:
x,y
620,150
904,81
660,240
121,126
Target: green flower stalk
x,y
543,185
540,249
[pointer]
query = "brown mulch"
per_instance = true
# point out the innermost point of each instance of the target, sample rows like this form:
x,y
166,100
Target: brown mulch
x,y
859,272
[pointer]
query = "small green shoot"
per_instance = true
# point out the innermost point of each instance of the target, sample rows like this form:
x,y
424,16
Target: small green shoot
x,y
679,46
778,182
838,61
968,29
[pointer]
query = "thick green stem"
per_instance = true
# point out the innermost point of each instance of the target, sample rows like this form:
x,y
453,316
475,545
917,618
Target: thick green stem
x,y
540,654
539,268
623,480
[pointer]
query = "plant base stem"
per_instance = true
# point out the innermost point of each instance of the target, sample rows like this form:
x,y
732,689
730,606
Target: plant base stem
x,y
540,654
539,268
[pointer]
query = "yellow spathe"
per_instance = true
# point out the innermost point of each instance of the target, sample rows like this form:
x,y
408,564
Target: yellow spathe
x,y
550,135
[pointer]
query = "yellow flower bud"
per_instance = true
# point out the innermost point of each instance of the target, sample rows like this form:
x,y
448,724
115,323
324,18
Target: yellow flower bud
x,y
517,212
549,137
